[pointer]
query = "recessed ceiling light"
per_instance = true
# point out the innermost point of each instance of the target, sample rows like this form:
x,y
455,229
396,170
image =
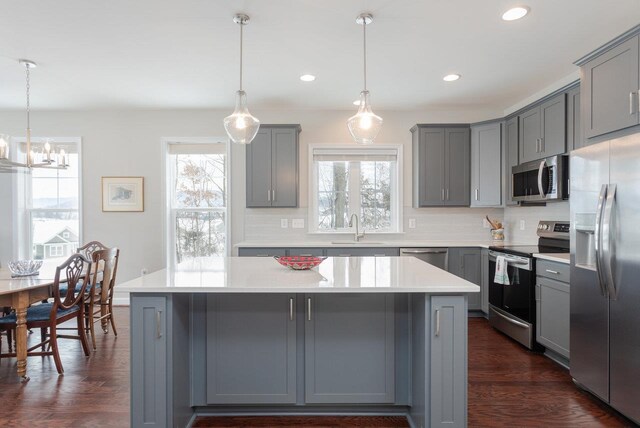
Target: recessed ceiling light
x,y
307,77
515,13
451,77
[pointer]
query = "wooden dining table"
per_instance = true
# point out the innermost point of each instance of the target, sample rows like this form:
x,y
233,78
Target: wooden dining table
x,y
20,293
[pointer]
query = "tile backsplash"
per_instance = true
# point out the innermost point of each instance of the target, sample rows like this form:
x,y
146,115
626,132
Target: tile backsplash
x,y
531,216
431,224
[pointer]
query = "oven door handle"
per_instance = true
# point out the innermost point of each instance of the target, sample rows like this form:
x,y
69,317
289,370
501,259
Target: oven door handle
x,y
512,321
540,172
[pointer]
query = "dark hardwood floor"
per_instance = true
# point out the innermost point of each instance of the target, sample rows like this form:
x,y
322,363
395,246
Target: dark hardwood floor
x,y
508,387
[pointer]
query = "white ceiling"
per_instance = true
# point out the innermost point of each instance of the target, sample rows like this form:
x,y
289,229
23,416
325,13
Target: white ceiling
x,y
184,53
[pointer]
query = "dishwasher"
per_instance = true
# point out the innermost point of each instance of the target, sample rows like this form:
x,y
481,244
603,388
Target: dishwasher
x,y
433,256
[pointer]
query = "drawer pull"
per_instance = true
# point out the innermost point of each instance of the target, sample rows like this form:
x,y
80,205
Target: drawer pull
x,y
309,309
555,272
291,308
437,322
158,324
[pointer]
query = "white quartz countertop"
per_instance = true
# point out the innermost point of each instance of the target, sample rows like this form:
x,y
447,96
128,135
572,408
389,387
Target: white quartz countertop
x,y
334,275
370,242
554,257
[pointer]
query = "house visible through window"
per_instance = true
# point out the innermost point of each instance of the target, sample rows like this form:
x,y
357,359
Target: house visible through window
x,y
197,192
359,180
52,205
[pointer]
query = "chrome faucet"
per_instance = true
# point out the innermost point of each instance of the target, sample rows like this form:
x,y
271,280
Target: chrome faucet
x,y
357,235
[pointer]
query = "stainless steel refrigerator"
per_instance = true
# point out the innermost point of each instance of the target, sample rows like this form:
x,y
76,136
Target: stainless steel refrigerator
x,y
605,272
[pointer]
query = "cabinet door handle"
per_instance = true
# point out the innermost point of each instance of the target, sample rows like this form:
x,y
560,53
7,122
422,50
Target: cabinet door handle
x,y
291,308
638,97
631,104
273,197
158,324
269,195
308,308
447,194
437,322
476,194
555,272
542,145
442,194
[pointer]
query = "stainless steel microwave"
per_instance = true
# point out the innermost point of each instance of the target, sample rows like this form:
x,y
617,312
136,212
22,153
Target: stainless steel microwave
x,y
543,180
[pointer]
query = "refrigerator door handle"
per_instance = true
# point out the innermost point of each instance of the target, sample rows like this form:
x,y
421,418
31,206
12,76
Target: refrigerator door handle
x,y
598,238
540,172
607,241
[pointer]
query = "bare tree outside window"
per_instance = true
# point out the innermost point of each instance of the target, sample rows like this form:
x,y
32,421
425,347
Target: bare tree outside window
x,y
360,187
199,202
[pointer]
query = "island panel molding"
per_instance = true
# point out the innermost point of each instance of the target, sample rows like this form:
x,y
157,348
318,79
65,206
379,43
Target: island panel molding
x,y
122,194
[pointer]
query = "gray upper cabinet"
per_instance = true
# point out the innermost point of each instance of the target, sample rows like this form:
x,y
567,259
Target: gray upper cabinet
x,y
358,331
511,145
466,263
553,136
441,166
543,131
457,159
486,165
611,83
574,124
529,139
272,167
260,368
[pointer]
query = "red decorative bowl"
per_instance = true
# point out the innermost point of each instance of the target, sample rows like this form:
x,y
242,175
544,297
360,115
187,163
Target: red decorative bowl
x,y
299,262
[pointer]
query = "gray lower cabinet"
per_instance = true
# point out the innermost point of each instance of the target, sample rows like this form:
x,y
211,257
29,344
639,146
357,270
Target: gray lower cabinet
x,y
466,263
611,82
448,385
543,130
441,165
486,165
149,365
260,368
511,145
318,252
484,280
272,167
261,252
574,124
362,252
552,316
358,331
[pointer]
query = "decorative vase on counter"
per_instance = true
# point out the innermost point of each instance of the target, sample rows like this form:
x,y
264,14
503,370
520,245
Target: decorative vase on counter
x,y
497,234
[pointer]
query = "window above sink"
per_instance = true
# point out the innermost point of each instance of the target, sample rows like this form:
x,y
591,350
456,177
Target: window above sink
x,y
362,180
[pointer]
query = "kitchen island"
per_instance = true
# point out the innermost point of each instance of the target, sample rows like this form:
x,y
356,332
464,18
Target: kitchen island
x,y
356,335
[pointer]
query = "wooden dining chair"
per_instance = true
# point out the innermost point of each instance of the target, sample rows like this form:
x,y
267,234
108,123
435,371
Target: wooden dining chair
x,y
99,301
89,248
47,316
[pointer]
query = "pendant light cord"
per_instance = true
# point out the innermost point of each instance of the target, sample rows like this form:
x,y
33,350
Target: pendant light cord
x,y
28,67
364,32
241,29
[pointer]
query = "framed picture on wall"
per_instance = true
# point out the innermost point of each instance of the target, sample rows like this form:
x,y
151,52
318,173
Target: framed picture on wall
x,y
123,194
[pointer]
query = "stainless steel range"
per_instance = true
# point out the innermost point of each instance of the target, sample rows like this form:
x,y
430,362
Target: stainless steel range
x,y
512,306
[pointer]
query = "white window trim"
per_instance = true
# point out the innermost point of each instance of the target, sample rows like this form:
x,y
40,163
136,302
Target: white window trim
x,y
313,185
168,240
22,212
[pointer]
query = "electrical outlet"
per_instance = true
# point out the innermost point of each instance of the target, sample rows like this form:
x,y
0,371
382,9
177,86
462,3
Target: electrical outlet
x,y
412,223
143,271
297,223
284,223
486,224
522,224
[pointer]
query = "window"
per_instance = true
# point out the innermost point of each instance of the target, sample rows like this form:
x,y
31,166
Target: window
x,y
355,180
198,200
49,204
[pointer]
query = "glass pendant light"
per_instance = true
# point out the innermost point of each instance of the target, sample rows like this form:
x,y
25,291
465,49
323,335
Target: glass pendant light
x,y
365,125
241,126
